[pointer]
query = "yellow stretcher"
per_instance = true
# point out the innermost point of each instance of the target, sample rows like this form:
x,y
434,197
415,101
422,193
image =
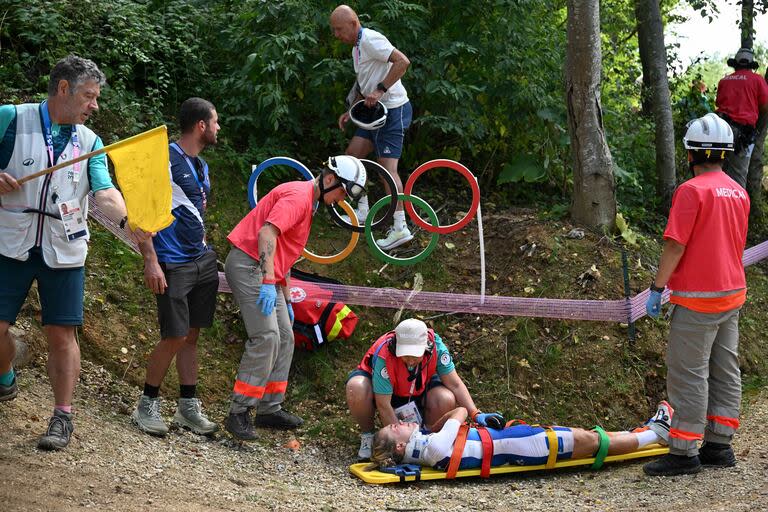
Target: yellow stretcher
x,y
412,473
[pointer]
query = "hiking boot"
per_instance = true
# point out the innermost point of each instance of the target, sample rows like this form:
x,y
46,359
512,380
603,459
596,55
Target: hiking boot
x,y
240,426
280,420
671,465
59,432
366,446
189,414
717,454
660,421
147,416
9,392
395,238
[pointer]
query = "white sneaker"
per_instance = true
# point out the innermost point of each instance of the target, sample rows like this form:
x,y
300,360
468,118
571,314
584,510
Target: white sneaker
x,y
395,238
661,421
366,446
361,215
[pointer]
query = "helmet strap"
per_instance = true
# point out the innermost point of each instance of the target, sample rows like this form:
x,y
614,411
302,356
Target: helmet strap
x,y
323,190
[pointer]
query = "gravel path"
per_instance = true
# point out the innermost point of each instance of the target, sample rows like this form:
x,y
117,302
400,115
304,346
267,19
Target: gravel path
x,y
111,466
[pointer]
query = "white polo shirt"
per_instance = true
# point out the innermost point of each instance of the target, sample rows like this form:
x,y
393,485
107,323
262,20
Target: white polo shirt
x,y
371,59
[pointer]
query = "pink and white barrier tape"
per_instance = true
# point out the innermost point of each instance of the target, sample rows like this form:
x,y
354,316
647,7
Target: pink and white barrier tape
x,y
622,310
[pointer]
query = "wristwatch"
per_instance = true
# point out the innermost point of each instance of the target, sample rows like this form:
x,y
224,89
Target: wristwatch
x,y
655,288
380,86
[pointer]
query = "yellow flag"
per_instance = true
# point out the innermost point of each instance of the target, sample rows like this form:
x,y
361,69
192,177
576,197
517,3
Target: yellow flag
x,y
141,167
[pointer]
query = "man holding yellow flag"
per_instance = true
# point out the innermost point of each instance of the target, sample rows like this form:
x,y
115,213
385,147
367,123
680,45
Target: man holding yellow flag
x,y
43,229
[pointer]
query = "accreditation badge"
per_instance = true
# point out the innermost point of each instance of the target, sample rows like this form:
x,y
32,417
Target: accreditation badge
x,y
73,217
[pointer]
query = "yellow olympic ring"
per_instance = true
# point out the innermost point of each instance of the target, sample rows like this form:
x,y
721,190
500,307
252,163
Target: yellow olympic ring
x,y
328,260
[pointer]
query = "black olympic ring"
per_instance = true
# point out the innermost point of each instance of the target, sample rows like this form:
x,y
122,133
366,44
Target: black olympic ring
x,y
381,171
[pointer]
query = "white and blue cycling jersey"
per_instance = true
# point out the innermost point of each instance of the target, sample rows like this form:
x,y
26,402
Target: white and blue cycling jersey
x,y
184,240
522,445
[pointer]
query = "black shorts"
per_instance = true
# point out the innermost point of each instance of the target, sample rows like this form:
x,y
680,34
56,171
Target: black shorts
x,y
190,299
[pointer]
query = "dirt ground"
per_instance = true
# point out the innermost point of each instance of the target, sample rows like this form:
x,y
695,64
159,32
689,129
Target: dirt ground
x,y
111,466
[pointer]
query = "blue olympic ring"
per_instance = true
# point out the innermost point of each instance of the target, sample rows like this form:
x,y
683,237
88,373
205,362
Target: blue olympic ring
x,y
269,162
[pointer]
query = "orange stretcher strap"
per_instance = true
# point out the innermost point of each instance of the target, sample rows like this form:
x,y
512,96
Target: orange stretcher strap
x,y
458,451
512,423
552,440
487,441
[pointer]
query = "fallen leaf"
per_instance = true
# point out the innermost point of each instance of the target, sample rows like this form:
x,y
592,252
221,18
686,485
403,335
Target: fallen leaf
x,y
293,445
450,245
123,350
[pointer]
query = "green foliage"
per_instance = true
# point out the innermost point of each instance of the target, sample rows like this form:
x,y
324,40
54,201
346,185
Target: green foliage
x,y
486,82
149,53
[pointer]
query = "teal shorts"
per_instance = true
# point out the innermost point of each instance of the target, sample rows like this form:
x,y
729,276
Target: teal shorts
x,y
61,290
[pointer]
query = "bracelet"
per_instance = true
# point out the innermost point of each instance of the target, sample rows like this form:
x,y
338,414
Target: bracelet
x,y
474,414
656,289
123,221
380,86
268,281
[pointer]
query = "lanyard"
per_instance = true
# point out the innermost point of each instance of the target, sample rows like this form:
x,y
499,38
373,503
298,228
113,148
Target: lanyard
x,y
74,175
194,173
357,44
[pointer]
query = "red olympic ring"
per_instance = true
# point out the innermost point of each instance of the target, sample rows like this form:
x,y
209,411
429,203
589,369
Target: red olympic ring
x,y
450,164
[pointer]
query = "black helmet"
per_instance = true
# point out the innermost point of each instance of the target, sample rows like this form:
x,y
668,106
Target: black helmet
x,y
368,118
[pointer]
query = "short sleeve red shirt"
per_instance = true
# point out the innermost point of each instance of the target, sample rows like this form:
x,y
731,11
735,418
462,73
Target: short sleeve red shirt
x,y
709,217
741,94
288,207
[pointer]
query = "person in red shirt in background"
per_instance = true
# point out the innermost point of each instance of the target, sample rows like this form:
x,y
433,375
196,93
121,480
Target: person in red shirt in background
x,y
742,96
266,243
702,265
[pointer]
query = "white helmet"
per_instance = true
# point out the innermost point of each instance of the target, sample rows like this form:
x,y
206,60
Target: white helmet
x,y
709,132
351,174
368,118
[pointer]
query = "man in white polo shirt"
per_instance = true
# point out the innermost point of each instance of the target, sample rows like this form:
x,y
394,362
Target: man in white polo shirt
x,y
379,67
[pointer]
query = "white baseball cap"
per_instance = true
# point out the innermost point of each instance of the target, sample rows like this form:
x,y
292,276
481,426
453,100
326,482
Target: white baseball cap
x,y
411,338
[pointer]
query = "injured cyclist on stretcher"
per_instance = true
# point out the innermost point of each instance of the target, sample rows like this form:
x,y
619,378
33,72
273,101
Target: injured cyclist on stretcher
x,y
519,444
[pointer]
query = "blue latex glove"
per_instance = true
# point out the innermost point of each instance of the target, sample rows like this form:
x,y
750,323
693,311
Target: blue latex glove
x,y
653,304
290,311
492,420
267,297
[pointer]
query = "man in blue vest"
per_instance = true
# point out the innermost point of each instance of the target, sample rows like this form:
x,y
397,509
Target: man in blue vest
x,y
180,269
43,233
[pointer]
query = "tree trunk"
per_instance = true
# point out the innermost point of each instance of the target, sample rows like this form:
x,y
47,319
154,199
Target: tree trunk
x,y
650,36
747,25
594,188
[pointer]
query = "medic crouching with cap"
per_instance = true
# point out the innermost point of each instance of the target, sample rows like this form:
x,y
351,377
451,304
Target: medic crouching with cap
x,y
408,376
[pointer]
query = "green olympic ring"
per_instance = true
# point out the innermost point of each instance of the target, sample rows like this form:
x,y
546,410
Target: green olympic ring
x,y
378,252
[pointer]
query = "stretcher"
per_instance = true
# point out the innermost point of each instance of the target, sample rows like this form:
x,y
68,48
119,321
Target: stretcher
x,y
415,473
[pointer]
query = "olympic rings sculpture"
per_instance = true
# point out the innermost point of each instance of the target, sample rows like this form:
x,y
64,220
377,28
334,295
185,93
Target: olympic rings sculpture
x,y
290,162
408,198
390,181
